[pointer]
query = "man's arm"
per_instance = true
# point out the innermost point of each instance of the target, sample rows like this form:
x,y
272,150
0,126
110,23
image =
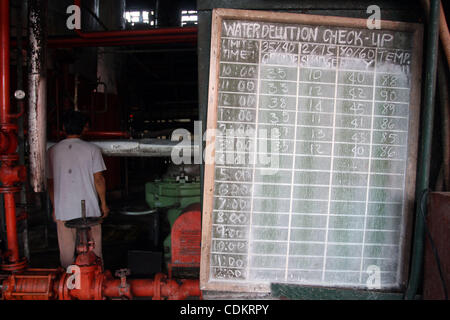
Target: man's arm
x,y
52,196
100,186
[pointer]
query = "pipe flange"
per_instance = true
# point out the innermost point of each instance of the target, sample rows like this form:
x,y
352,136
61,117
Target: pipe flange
x,y
98,287
63,291
8,127
9,157
10,189
15,267
157,286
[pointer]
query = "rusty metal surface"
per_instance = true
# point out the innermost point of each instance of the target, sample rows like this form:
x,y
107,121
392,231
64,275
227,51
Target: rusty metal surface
x,y
186,238
37,95
438,221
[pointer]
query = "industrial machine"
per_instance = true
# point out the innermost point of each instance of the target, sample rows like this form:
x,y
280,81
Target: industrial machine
x,y
86,280
178,189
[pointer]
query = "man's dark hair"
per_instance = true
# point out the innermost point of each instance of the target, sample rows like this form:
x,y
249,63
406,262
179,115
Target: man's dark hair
x,y
74,122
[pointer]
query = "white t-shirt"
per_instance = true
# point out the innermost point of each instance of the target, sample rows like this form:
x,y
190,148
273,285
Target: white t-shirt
x,y
71,164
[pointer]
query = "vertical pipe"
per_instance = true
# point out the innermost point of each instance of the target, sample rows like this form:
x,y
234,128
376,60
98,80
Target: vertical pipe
x,y
2,221
37,94
10,208
425,147
21,21
4,67
11,227
4,61
10,174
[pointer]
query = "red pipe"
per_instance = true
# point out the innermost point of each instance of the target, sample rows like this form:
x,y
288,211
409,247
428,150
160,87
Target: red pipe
x,y
157,288
10,209
120,41
90,134
128,33
107,134
137,33
4,142
46,284
10,174
11,227
4,61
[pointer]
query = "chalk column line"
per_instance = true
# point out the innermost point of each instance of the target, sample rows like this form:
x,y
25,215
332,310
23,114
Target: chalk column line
x,y
331,169
255,148
293,168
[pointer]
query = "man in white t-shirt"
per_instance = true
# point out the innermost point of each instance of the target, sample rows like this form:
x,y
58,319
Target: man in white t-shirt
x,y
74,173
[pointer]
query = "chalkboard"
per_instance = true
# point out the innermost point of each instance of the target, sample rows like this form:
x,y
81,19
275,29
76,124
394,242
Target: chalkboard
x,y
311,151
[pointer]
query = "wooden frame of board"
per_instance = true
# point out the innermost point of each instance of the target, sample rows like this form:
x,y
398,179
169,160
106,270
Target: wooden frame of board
x,y
209,176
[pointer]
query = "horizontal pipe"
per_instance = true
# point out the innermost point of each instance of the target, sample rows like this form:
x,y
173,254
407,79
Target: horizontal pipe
x,y
122,41
138,288
62,42
113,134
167,288
45,284
93,134
138,33
134,33
137,148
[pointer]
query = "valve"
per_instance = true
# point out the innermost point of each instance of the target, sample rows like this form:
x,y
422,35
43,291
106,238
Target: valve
x,y
124,287
85,244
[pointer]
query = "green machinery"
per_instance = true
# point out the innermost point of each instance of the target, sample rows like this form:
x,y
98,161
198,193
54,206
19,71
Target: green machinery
x,y
172,194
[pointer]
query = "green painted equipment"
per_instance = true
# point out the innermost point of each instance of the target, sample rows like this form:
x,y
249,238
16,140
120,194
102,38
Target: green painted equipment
x,y
172,194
